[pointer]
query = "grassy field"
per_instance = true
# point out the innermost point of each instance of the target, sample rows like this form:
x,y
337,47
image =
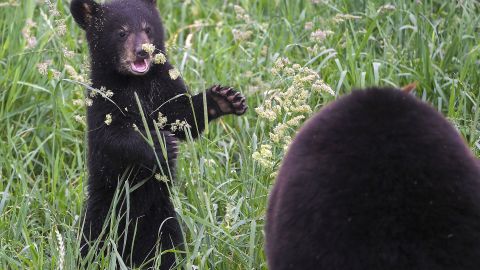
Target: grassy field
x,y
288,57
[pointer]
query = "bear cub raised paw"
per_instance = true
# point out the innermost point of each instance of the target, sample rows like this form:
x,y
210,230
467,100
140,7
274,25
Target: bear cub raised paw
x,y
118,33
376,180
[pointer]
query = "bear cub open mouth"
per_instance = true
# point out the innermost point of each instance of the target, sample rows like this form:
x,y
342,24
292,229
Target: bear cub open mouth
x,y
140,66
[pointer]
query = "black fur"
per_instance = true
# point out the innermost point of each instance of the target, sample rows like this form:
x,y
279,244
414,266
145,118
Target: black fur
x,y
377,180
114,148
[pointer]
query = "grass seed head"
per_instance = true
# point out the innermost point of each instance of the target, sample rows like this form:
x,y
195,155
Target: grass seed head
x,y
160,58
174,73
149,48
108,119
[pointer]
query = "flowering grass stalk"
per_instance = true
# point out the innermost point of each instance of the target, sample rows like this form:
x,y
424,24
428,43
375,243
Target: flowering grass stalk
x,y
286,107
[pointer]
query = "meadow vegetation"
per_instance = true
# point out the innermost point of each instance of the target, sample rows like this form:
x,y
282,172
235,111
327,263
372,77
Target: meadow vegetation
x,y
288,57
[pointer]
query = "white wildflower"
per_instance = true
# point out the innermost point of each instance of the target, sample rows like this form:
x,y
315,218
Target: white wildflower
x,y
43,68
56,74
78,102
162,120
80,118
264,156
321,86
74,75
160,58
27,33
31,42
161,177
108,119
289,71
307,79
266,113
179,125
280,63
320,35
61,28
305,109
295,122
278,132
240,35
149,48
109,93
52,8
174,73
88,102
67,53
286,107
241,14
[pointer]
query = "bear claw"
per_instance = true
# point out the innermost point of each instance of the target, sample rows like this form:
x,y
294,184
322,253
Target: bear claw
x,y
228,100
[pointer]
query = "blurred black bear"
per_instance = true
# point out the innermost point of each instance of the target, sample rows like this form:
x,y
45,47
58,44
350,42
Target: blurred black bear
x,y
377,180
116,32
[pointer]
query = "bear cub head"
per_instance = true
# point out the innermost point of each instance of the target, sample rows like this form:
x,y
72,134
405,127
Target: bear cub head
x,y
116,32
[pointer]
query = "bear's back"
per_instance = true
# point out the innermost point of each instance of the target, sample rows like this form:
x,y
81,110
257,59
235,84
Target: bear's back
x,y
376,180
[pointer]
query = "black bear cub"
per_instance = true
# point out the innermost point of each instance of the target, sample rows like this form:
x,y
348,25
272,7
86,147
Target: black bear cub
x,y
118,33
376,180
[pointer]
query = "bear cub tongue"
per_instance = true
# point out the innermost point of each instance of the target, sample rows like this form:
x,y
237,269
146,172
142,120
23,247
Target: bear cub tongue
x,y
140,65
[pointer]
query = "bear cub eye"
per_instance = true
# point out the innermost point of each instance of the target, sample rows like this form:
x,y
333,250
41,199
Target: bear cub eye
x,y
147,30
122,33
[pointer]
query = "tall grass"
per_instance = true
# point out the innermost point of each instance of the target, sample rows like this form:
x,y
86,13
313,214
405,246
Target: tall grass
x,y
221,191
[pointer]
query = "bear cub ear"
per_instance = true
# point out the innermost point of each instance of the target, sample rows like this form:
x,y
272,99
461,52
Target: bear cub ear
x,y
83,12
